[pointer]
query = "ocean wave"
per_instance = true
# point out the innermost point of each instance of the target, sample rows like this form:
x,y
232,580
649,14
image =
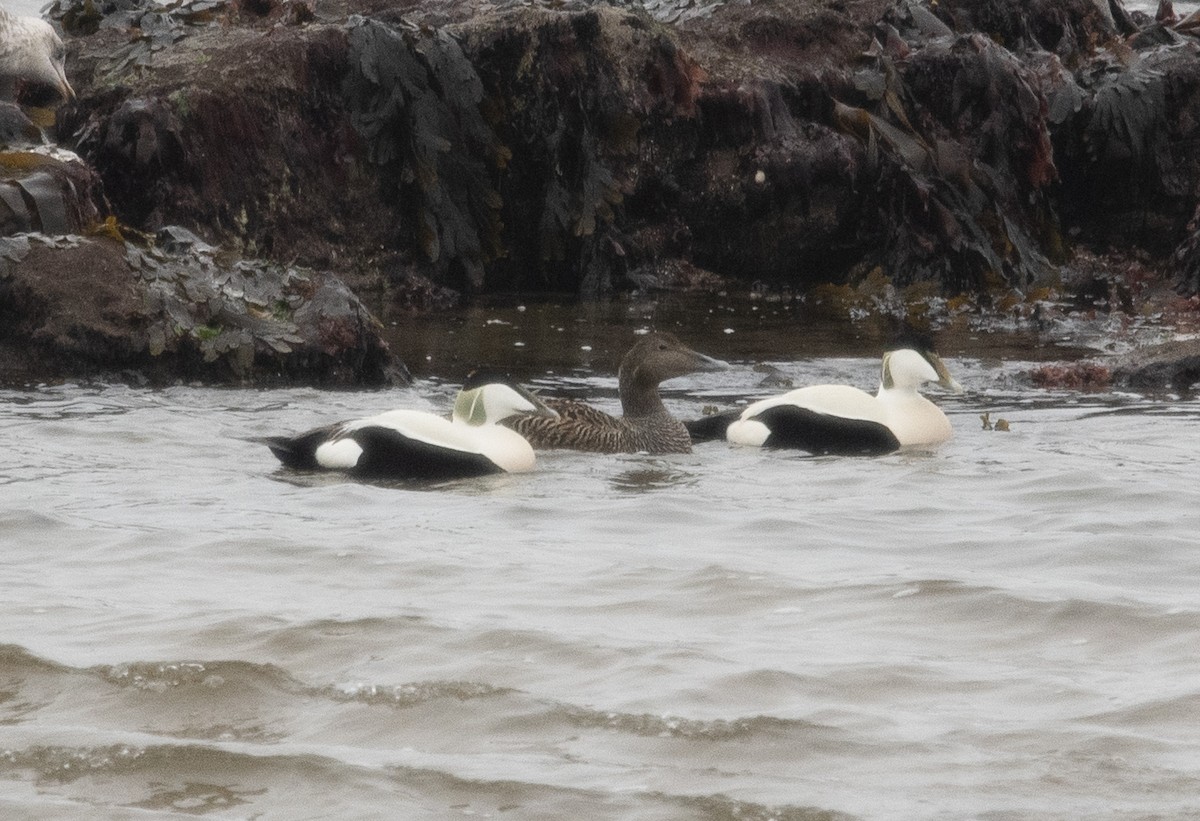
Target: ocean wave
x,y
65,764
1180,712
200,780
1033,603
411,694
162,676
17,661
669,726
723,807
239,680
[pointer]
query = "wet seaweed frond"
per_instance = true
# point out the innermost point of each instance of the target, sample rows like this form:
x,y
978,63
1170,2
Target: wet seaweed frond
x,y
1128,116
415,99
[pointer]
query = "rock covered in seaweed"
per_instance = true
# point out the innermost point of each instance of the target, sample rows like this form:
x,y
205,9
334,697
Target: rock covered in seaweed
x,y
96,306
46,189
574,146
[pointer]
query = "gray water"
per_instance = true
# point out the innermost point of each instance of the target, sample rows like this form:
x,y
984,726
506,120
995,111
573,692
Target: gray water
x,y
1003,629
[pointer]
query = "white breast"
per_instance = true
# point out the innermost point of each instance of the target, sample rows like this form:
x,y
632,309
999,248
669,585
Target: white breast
x,y
914,420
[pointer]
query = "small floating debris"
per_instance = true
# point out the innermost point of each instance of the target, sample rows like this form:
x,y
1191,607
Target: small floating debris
x,y
1000,424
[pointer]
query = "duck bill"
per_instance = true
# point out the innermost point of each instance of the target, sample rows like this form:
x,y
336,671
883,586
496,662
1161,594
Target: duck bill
x,y
540,408
944,378
708,364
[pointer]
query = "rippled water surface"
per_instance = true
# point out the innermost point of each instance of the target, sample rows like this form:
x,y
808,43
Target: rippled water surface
x,y
1006,629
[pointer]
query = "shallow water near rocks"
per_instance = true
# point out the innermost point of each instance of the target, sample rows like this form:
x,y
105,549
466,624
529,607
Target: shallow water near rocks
x,y
1005,628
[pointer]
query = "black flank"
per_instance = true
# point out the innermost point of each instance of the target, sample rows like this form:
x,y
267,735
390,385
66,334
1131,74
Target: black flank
x,y
388,454
819,433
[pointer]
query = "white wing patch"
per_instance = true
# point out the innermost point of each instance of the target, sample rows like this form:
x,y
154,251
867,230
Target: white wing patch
x,y
338,454
747,432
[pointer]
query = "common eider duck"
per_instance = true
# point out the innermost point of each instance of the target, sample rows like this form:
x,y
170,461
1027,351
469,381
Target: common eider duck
x,y
31,52
840,419
645,425
412,444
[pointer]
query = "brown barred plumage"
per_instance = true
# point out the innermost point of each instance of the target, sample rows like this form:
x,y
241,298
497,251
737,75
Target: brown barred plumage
x,y
645,426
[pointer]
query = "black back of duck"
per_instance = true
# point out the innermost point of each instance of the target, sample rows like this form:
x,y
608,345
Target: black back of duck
x,y
582,427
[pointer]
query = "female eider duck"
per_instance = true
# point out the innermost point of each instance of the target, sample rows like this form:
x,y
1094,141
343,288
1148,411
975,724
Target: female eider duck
x,y
30,52
840,419
412,444
645,424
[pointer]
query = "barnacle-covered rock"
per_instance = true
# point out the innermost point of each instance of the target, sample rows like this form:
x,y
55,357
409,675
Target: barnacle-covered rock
x,y
76,306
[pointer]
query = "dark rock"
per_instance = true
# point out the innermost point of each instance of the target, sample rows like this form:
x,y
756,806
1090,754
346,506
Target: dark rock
x,y
1072,29
415,99
578,147
1173,366
79,307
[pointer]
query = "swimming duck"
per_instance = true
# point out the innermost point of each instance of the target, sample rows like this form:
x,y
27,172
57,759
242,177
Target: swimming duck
x,y
645,424
840,419
31,52
412,444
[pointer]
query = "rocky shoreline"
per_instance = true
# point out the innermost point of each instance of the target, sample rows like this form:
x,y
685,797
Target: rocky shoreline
x,y
331,162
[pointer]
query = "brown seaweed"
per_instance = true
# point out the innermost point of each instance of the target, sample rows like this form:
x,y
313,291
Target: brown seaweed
x,y
414,98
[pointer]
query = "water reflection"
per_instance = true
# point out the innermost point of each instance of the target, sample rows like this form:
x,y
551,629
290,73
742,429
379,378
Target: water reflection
x,y
530,339
471,486
644,479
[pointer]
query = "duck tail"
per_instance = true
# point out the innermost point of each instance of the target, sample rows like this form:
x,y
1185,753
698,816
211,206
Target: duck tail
x,y
708,428
298,452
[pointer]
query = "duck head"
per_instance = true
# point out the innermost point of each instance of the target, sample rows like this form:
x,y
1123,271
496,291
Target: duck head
x,y
35,54
660,356
908,369
487,398
655,358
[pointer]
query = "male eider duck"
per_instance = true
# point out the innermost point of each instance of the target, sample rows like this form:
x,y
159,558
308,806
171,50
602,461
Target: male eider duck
x,y
412,444
31,52
840,419
645,424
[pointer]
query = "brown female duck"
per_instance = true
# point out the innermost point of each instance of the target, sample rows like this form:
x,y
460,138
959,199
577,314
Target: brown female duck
x,y
645,424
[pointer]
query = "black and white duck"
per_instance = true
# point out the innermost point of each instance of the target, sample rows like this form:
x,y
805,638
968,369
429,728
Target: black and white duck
x,y
840,419
413,444
645,425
